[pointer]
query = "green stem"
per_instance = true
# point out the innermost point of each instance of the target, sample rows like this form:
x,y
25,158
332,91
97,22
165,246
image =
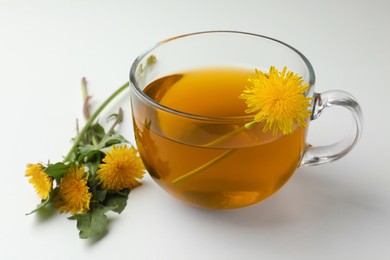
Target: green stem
x,y
91,119
218,158
202,167
229,135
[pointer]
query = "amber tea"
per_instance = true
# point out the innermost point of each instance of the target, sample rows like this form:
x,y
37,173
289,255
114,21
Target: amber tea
x,y
234,172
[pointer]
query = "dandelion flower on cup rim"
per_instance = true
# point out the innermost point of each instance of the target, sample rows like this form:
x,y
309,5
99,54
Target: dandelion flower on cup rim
x,y
42,183
278,99
121,169
73,195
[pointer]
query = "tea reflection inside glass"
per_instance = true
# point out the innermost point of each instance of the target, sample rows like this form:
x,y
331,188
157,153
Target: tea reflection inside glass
x,y
195,133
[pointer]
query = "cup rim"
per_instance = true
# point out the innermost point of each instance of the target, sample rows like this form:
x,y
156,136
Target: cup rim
x,y
246,118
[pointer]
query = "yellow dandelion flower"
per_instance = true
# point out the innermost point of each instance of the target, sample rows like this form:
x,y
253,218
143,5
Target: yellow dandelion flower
x,y
42,183
121,169
279,100
73,194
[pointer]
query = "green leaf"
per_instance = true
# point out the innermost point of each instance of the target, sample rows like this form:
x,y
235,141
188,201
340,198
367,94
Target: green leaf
x,y
57,170
92,223
93,167
115,140
93,155
99,194
113,116
117,201
106,149
98,131
86,148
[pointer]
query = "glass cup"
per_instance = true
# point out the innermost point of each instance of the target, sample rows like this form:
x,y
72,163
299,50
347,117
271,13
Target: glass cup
x,y
211,160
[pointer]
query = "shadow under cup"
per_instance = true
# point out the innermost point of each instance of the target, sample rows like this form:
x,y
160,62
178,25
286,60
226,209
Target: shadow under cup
x,y
210,160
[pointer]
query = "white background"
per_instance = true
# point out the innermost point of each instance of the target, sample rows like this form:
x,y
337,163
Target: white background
x,y
339,210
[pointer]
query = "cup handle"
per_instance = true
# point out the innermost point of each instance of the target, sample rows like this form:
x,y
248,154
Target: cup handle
x,y
315,155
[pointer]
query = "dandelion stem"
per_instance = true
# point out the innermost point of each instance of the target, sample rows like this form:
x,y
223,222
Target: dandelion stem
x,y
229,135
91,119
202,167
218,158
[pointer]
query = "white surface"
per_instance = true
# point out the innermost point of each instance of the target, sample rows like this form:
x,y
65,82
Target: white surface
x,y
335,211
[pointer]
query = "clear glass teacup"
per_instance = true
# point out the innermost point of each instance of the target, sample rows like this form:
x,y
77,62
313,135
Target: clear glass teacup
x,y
191,128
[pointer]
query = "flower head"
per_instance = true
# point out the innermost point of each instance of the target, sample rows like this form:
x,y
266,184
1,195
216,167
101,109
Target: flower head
x,y
42,183
73,195
121,169
279,100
